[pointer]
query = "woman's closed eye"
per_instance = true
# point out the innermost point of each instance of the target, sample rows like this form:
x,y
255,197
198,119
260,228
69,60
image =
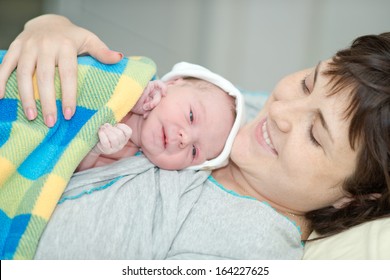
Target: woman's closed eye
x,y
312,138
304,85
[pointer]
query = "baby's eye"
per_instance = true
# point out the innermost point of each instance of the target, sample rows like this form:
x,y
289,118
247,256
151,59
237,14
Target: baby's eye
x,y
193,151
191,116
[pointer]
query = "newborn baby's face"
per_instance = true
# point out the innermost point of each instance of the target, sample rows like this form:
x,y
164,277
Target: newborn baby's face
x,y
188,127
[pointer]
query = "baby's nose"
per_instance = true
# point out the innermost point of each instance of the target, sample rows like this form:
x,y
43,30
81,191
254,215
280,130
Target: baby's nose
x,y
185,138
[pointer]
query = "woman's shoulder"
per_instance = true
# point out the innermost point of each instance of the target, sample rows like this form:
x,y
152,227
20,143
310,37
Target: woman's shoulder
x,y
223,224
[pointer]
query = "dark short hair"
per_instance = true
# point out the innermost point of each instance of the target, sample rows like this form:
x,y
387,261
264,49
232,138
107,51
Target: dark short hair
x,y
364,67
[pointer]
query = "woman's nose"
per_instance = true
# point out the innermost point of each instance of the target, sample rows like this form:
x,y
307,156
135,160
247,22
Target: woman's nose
x,y
285,112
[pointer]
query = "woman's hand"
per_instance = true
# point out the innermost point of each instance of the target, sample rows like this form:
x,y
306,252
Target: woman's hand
x,y
46,42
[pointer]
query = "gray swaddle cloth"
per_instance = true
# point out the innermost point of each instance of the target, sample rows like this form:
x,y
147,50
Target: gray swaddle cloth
x,y
133,210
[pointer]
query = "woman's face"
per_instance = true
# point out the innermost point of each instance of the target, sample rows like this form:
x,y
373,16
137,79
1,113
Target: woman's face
x,y
296,153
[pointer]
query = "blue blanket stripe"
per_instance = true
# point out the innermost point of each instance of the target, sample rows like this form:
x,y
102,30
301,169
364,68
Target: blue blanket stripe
x,y
42,160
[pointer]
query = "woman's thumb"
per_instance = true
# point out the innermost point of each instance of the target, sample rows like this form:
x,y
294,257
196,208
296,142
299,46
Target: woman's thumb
x,y
101,52
107,56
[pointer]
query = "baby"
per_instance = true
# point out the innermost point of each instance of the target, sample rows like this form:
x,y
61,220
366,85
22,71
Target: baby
x,y
187,120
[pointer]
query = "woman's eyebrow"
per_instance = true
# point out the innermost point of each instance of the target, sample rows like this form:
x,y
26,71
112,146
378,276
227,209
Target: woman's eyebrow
x,y
316,73
325,125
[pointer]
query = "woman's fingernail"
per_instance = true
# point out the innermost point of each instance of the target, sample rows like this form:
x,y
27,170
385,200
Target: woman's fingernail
x,y
68,113
121,55
30,113
49,120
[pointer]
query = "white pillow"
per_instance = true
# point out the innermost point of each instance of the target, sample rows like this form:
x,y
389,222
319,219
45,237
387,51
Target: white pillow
x,y
254,101
370,240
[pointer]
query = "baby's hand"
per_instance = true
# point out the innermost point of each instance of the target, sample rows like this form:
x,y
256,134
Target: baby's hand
x,y
150,97
112,138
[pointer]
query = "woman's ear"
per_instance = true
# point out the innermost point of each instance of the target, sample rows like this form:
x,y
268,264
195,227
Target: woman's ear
x,y
342,202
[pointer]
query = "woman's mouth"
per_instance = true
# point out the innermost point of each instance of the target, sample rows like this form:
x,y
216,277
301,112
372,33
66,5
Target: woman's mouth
x,y
264,138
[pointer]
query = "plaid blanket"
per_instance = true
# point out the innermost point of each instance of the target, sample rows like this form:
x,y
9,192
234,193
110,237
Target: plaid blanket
x,y
36,162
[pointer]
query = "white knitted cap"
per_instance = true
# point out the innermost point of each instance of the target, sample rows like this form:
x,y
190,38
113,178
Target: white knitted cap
x,y
184,69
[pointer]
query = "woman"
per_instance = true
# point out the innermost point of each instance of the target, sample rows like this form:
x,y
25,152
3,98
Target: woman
x,y
316,156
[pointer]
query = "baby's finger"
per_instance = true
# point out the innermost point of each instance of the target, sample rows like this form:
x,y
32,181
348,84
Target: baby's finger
x,y
126,130
104,140
117,138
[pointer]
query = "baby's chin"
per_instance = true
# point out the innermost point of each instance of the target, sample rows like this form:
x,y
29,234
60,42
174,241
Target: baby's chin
x,y
166,163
